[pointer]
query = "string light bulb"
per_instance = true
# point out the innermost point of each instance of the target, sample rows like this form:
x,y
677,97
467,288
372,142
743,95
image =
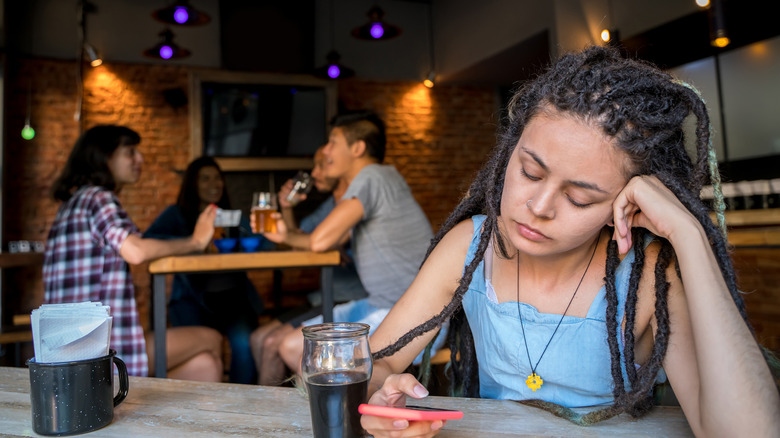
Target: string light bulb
x,y
605,36
27,131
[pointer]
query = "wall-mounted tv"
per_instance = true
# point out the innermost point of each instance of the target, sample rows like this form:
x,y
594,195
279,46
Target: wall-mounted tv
x,y
253,120
242,118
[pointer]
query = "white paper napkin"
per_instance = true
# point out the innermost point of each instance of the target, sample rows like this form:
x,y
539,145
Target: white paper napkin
x,y
227,218
68,332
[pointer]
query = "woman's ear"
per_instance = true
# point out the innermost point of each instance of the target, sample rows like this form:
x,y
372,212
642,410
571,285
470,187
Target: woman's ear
x,y
611,221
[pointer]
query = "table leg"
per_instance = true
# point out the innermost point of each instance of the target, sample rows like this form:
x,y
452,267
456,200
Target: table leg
x,y
326,285
159,309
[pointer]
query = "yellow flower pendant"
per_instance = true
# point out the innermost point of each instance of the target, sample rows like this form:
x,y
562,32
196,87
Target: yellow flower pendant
x,y
534,381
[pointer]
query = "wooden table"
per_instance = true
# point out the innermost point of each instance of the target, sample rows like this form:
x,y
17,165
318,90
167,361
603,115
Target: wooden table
x,y
176,408
202,263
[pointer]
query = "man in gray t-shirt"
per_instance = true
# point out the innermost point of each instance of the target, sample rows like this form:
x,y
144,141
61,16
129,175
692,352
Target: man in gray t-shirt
x,y
389,231
390,241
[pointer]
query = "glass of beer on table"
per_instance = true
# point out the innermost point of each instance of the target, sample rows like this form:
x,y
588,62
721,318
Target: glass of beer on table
x,y
263,206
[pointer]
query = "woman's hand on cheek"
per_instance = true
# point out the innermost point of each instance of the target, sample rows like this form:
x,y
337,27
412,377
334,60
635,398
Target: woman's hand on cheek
x,y
646,203
393,393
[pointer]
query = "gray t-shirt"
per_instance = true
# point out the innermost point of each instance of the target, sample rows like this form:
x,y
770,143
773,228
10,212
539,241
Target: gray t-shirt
x,y
389,243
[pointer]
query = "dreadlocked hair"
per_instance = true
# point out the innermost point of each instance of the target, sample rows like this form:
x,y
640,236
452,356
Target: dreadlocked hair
x,y
642,110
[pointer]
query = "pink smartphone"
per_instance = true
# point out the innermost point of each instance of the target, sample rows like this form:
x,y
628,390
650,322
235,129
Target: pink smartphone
x,y
413,413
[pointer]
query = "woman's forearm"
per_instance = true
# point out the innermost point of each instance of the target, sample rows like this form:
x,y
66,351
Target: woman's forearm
x,y
736,386
380,373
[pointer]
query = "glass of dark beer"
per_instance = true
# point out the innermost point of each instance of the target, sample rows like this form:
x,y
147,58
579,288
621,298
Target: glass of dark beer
x,y
336,368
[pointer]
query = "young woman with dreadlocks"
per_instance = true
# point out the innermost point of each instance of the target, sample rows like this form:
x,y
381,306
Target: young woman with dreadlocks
x,y
582,261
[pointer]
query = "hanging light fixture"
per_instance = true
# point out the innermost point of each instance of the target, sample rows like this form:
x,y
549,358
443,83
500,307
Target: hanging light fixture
x,y
718,35
610,36
88,51
92,56
181,13
376,29
333,69
430,78
166,48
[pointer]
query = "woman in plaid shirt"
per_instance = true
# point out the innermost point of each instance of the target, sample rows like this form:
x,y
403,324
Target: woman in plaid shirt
x,y
92,241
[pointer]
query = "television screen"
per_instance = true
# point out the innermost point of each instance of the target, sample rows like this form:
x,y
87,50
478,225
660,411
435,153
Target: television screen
x,y
262,120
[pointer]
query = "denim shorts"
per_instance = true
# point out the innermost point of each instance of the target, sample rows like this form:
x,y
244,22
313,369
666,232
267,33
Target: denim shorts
x,y
361,311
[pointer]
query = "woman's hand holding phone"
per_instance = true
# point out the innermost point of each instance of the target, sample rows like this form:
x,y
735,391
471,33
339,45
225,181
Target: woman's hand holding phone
x,y
390,399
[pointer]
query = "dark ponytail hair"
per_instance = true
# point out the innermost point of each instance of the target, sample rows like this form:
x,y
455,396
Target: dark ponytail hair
x,y
88,160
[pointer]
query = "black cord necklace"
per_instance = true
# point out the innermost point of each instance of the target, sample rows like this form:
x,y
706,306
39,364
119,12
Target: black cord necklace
x,y
534,381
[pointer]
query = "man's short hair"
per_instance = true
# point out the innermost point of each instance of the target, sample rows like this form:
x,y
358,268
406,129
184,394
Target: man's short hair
x,y
366,126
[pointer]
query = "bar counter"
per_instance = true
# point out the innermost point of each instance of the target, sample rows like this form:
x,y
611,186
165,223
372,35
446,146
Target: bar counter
x,y
177,408
753,228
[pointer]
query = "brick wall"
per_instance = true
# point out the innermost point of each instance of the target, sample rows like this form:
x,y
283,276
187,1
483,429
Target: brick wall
x,y
436,138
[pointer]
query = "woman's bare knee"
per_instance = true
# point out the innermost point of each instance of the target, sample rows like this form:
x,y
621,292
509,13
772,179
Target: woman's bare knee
x,y
275,338
259,335
184,343
213,339
203,367
291,349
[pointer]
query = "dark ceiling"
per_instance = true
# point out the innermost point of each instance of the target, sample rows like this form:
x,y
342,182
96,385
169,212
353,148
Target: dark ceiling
x,y
669,45
517,63
687,38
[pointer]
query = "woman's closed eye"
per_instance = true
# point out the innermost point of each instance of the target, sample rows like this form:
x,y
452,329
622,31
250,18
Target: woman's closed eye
x,y
529,176
579,204
571,200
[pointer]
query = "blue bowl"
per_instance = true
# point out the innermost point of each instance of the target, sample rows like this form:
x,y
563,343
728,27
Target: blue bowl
x,y
250,244
225,245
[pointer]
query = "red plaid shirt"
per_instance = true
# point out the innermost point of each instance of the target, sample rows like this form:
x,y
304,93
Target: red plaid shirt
x,y
82,263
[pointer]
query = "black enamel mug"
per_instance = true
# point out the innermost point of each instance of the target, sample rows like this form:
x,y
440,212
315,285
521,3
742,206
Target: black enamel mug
x,y
69,398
